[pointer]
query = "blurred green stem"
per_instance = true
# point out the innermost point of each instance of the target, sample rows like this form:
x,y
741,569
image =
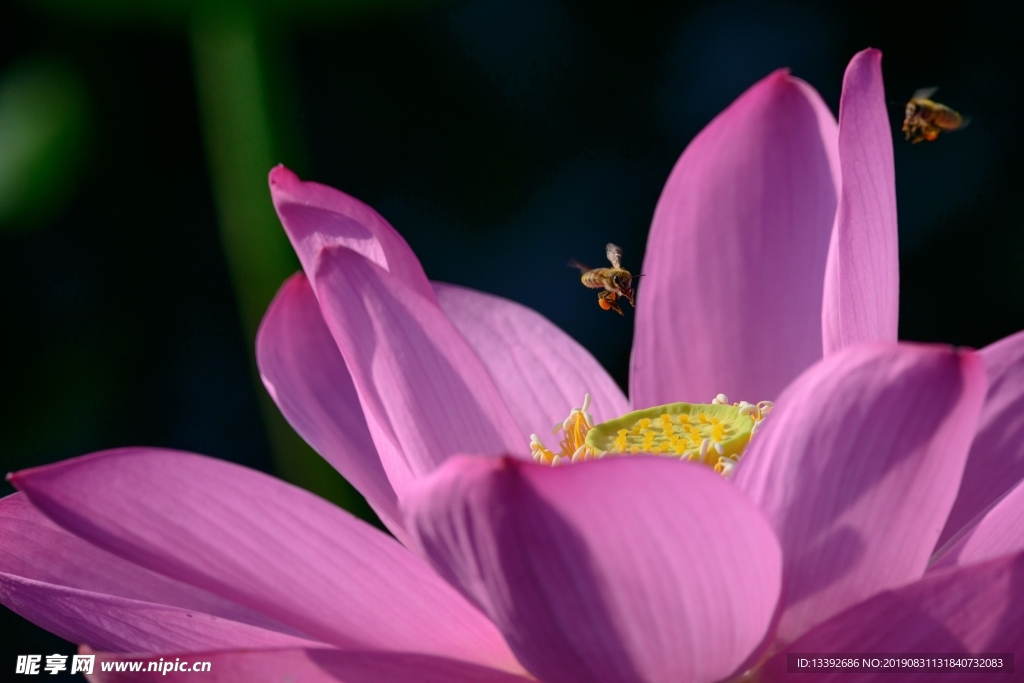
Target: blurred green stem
x,y
241,147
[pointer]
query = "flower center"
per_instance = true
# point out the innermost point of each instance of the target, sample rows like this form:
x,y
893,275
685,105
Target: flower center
x,y
714,434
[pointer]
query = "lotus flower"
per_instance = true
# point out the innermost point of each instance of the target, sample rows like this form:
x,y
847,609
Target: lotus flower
x,y
876,509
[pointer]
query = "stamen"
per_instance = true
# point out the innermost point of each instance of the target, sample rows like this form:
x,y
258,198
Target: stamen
x,y
725,465
574,429
713,434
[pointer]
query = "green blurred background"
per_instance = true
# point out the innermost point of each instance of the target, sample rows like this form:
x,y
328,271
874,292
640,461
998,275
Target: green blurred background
x,y
139,248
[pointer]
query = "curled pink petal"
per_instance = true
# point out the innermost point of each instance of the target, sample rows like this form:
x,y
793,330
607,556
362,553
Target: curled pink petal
x,y
996,462
315,216
862,282
974,609
856,469
731,296
310,666
424,391
265,545
996,531
626,569
541,372
306,375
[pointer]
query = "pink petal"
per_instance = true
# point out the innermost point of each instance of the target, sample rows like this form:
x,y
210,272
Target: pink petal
x,y
424,391
625,569
862,282
306,375
828,128
85,594
541,372
315,216
312,666
857,467
32,547
264,544
731,295
996,462
122,625
972,609
997,531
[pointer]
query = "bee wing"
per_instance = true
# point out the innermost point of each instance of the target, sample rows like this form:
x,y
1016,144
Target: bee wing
x,y
924,93
573,263
614,255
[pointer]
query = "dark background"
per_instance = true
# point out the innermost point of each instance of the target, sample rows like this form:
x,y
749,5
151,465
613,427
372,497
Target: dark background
x,y
500,137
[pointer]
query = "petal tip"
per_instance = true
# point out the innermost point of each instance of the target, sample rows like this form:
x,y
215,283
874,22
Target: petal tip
x,y
777,82
17,479
281,175
284,183
778,90
869,58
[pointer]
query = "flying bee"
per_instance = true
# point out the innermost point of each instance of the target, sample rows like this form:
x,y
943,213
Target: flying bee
x,y
614,282
925,119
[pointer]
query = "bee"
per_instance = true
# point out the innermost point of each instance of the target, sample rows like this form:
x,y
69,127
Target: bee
x,y
614,282
925,119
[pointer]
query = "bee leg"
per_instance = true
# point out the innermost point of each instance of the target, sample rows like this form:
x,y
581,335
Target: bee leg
x,y
606,300
609,305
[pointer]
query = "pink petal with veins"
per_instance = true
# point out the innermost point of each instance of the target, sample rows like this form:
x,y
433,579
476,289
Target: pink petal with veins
x,y
996,462
307,377
316,216
541,372
731,296
862,282
856,469
266,545
425,394
618,570
974,609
